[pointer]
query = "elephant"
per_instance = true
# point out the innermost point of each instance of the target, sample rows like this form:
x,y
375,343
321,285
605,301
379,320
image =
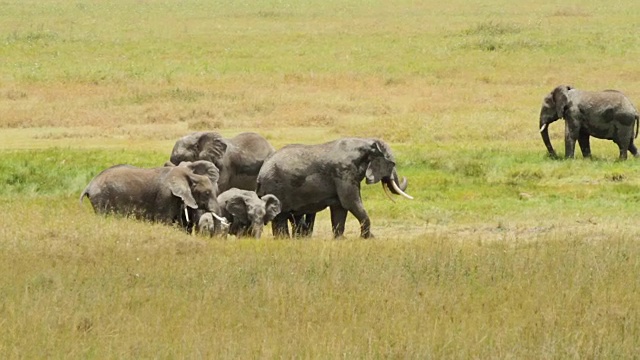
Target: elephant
x,y
161,194
246,212
309,178
207,223
605,114
239,158
191,217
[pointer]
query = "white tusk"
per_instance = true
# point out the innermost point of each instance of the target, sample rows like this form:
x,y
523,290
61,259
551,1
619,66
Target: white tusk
x,y
397,189
186,214
220,218
386,191
544,126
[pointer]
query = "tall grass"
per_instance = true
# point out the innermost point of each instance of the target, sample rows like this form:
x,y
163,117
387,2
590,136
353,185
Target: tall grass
x,y
125,289
504,253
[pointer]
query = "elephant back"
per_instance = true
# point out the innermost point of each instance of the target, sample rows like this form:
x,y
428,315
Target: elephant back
x,y
247,152
202,145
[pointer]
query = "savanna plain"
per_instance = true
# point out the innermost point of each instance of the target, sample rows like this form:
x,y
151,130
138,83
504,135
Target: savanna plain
x,y
503,253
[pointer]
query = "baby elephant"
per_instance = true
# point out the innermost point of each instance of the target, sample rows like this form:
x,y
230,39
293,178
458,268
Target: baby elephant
x,y
157,194
210,224
246,212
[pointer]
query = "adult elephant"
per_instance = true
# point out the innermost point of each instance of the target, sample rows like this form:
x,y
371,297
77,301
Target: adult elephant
x,y
605,114
239,158
191,217
246,212
310,178
159,194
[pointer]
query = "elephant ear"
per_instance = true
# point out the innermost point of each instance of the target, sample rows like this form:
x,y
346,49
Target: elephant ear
x,y
237,207
560,97
185,149
272,207
211,146
203,167
179,184
381,162
201,145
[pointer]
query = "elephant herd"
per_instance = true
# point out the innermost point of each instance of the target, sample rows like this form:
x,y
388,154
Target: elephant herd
x,y
236,186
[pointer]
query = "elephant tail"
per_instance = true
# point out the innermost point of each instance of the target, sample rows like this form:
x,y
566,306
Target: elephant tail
x,y
84,193
637,125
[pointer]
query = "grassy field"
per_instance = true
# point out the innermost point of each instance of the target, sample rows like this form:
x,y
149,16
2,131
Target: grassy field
x,y
504,253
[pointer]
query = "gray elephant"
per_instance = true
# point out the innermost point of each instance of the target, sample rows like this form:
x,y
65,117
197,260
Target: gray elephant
x,y
190,217
605,115
239,159
208,223
158,194
310,178
246,212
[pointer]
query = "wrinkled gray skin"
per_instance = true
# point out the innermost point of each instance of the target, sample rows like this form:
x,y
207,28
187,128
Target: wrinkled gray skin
x,y
157,194
208,169
605,115
246,212
310,178
239,159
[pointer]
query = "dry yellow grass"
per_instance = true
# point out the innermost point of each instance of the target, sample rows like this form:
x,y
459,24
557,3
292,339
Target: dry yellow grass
x,y
120,288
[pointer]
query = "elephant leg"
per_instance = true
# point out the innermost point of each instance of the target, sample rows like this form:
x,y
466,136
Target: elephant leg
x,y
623,152
279,226
570,136
623,140
338,220
632,148
351,200
302,225
583,141
309,221
297,225
365,223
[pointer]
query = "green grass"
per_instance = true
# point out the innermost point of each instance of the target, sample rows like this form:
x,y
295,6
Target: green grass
x,y
504,253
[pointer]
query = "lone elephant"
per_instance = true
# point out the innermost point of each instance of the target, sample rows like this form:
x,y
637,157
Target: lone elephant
x,y
239,158
605,114
309,178
159,194
246,212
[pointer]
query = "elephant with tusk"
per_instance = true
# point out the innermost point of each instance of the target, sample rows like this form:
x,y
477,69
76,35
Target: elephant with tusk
x,y
215,224
605,114
164,194
309,178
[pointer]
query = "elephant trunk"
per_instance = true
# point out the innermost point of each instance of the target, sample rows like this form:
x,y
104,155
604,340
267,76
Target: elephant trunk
x,y
256,229
544,132
213,206
392,184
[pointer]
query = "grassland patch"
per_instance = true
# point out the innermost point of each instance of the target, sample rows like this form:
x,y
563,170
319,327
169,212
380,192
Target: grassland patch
x,y
492,29
39,36
465,270
62,171
571,11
